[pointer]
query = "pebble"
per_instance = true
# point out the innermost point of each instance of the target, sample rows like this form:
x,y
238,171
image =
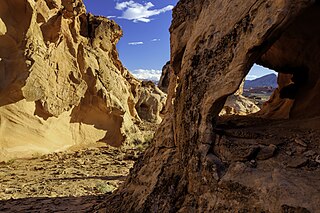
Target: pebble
x,y
301,149
9,191
289,153
266,152
297,162
310,153
253,164
300,142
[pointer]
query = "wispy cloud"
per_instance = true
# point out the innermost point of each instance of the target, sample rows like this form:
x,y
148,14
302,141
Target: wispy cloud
x,y
136,43
139,12
251,77
155,40
149,74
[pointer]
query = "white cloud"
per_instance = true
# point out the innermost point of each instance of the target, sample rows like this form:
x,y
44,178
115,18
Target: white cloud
x,y
139,12
111,16
136,43
251,77
147,74
155,39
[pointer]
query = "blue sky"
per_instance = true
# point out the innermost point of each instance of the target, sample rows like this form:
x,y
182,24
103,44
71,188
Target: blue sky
x,y
258,71
145,45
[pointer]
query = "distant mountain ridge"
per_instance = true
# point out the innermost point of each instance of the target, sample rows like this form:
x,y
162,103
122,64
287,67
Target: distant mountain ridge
x,y
269,80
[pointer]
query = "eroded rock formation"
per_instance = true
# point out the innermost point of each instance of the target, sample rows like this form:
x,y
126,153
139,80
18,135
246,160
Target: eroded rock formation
x,y
151,101
239,105
61,82
200,163
165,77
235,104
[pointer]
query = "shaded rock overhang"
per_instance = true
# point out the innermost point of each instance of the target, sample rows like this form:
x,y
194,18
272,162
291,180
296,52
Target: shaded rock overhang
x,y
213,46
297,52
211,60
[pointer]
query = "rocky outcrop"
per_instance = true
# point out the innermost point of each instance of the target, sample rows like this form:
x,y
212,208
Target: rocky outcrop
x,y
165,77
150,103
61,82
237,104
277,107
200,163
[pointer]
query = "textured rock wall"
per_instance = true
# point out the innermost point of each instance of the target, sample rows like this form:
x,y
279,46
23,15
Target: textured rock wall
x,y
213,46
296,53
61,82
235,104
165,77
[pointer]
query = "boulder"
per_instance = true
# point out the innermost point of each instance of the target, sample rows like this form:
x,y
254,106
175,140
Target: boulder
x,y
237,104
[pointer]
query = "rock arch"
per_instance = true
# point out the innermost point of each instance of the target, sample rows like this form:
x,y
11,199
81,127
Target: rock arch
x,y
191,167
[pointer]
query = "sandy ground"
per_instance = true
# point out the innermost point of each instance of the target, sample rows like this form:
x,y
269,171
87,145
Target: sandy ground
x,y
80,181
63,182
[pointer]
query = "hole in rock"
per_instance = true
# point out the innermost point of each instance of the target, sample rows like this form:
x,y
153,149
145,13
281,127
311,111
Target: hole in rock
x,y
287,128
254,91
294,57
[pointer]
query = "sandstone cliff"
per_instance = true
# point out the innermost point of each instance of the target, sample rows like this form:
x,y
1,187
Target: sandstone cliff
x,y
61,82
202,163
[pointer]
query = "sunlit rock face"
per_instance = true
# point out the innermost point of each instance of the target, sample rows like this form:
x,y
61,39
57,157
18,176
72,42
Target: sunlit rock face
x,y
61,82
200,163
237,104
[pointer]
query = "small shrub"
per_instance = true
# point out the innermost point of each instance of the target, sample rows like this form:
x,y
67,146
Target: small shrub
x,y
105,188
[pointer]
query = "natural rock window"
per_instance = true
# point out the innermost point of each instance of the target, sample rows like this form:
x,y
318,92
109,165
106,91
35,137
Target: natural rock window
x,y
255,90
200,162
294,55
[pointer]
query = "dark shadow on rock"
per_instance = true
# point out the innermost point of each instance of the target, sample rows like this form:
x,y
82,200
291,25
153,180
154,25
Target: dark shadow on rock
x,y
116,177
289,91
58,204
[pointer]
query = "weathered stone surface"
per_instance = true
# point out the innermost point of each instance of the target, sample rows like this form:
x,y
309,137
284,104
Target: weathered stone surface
x,y
165,77
3,28
213,46
151,101
235,104
239,105
61,82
